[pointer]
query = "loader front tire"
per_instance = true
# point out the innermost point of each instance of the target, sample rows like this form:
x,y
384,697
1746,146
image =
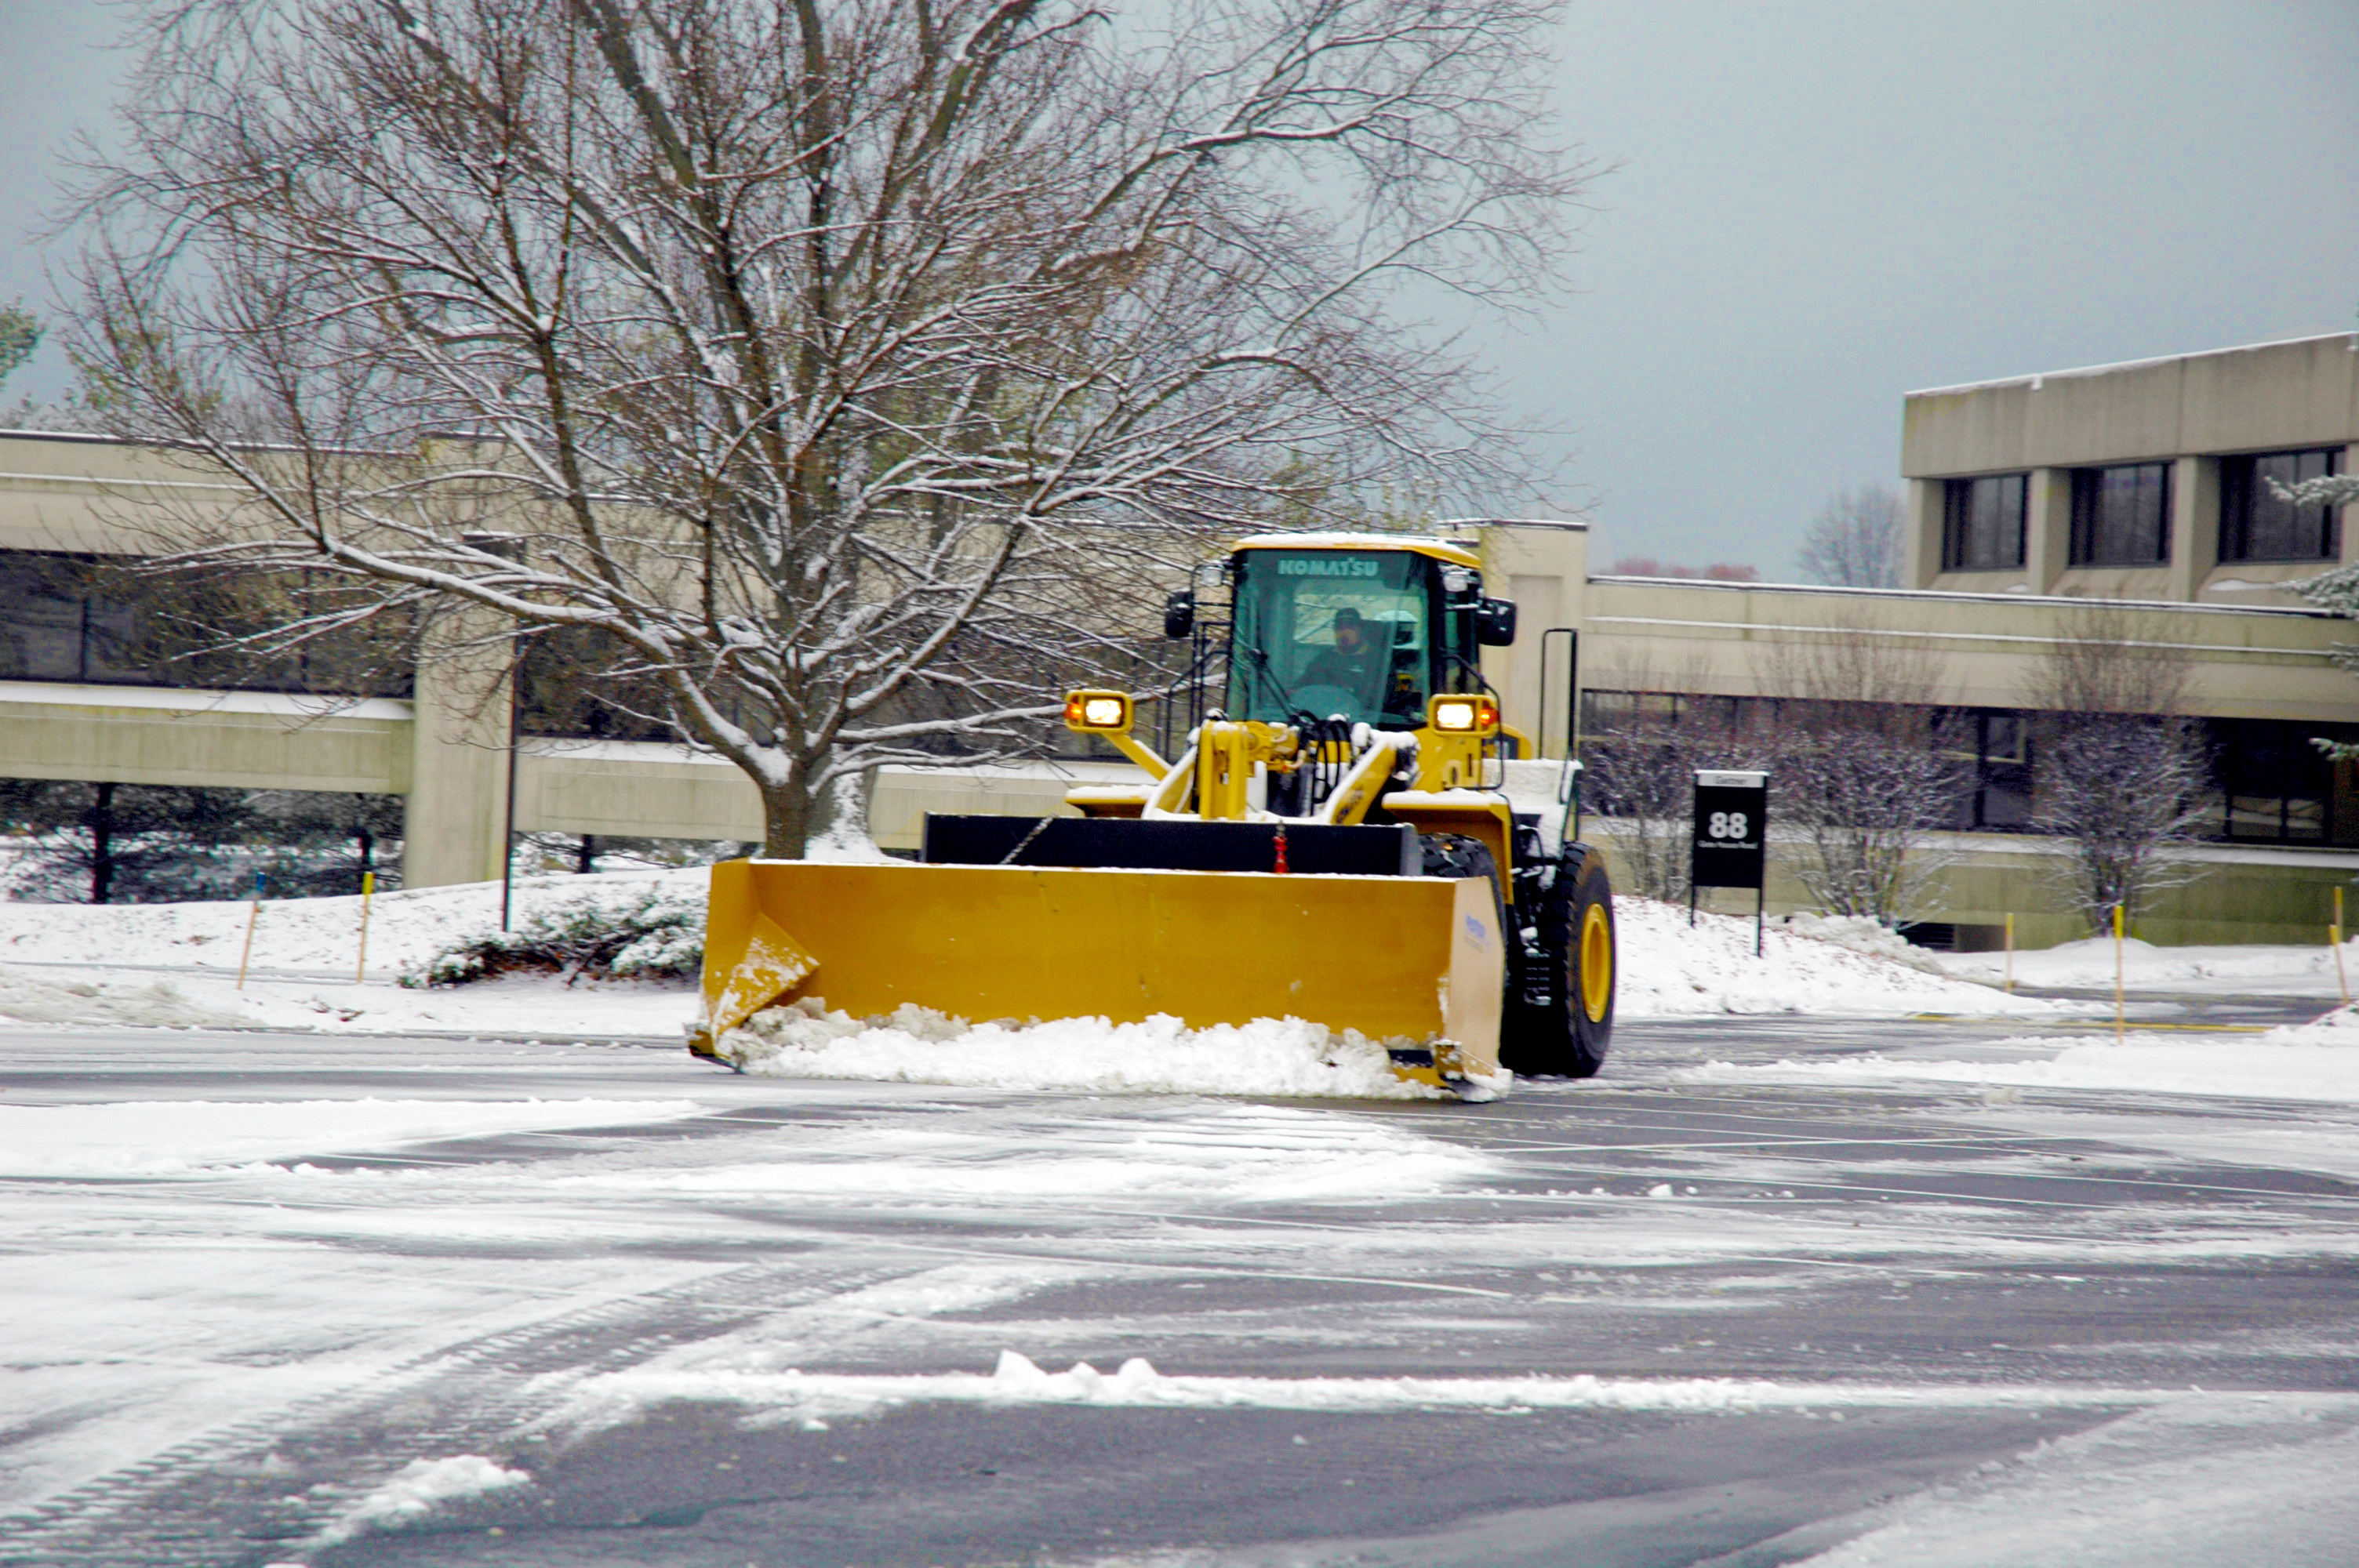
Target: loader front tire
x,y
1559,1018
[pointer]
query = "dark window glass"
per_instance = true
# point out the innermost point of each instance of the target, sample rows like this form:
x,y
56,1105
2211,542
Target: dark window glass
x,y
2255,526
99,619
2273,783
40,616
1982,525
2005,799
2121,516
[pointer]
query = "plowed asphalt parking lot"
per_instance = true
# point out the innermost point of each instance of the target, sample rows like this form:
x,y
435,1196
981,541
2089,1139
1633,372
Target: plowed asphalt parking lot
x,y
1652,1319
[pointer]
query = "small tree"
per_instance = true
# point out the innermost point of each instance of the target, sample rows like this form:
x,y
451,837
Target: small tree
x,y
2117,771
1640,758
1855,540
1863,771
1865,787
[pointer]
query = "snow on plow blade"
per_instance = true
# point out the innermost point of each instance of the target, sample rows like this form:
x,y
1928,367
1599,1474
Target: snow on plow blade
x,y
1412,962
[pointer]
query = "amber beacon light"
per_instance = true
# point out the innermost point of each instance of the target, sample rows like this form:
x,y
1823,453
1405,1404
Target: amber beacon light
x,y
1464,715
1101,712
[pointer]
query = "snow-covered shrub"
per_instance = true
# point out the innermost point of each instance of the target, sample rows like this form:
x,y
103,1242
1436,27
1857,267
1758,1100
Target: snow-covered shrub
x,y
653,934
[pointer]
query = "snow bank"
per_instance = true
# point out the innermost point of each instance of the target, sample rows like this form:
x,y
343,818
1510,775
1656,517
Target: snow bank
x,y
304,953
2089,965
318,935
917,1045
1670,970
814,1397
30,999
167,1137
422,1485
2304,1062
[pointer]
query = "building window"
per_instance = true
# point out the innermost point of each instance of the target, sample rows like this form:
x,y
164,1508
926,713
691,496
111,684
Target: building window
x,y
101,620
1982,523
2121,516
2255,526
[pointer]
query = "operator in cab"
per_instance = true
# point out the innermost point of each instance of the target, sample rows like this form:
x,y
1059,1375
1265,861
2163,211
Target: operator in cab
x,y
1350,663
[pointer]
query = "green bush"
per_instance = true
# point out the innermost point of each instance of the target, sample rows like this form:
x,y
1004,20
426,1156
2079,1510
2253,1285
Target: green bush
x,y
650,935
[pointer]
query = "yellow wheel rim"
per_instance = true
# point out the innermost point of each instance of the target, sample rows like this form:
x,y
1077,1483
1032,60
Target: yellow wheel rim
x,y
1597,963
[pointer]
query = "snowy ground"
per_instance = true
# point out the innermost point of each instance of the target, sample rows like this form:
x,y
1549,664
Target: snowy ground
x,y
1774,1290
1845,1261
177,964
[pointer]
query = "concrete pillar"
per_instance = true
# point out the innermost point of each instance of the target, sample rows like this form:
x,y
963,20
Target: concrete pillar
x,y
454,827
2047,529
1921,534
1544,567
2194,524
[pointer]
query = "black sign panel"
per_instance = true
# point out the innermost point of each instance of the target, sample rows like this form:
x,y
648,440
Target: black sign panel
x,y
1732,821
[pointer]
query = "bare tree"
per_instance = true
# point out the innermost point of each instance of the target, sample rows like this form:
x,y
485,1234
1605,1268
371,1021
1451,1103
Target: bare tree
x,y
1855,540
1864,770
1641,746
829,361
2118,770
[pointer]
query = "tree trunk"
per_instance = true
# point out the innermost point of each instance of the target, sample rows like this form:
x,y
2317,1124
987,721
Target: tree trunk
x,y
786,819
102,844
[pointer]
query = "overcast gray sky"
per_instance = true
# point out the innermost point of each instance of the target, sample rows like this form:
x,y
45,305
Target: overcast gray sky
x,y
1820,205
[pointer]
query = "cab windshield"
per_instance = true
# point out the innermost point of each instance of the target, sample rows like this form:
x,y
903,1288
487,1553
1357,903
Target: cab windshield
x,y
1333,634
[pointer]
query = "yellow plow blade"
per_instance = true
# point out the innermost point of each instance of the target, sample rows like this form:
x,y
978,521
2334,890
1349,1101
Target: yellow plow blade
x,y
1412,962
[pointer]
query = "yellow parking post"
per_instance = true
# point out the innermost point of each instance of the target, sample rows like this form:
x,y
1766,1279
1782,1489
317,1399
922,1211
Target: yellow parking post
x,y
368,888
2117,974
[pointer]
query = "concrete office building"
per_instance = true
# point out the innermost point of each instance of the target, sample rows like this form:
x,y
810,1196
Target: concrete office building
x,y
2135,493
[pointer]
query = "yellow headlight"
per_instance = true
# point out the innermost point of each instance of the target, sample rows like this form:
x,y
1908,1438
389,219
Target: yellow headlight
x,y
1102,712
1453,715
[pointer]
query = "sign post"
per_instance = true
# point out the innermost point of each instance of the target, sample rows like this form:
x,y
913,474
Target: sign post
x,y
1731,843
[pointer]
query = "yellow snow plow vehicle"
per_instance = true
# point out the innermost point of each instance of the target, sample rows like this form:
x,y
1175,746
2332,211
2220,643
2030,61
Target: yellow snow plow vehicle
x,y
1333,844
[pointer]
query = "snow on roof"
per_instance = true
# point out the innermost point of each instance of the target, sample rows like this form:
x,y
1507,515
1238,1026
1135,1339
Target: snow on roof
x,y
2034,379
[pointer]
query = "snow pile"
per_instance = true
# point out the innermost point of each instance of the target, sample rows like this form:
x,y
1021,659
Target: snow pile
x,y
29,998
2088,965
1670,970
169,1137
2316,1061
1162,1055
1861,934
813,1398
421,1486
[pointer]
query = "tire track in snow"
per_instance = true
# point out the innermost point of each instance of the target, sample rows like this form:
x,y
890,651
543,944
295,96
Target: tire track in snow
x,y
219,1501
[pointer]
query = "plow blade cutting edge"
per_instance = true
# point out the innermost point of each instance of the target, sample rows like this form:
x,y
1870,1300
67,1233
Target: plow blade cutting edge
x,y
1414,963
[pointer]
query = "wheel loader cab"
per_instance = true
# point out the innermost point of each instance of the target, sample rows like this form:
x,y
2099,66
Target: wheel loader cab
x,y
1333,635
1362,635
